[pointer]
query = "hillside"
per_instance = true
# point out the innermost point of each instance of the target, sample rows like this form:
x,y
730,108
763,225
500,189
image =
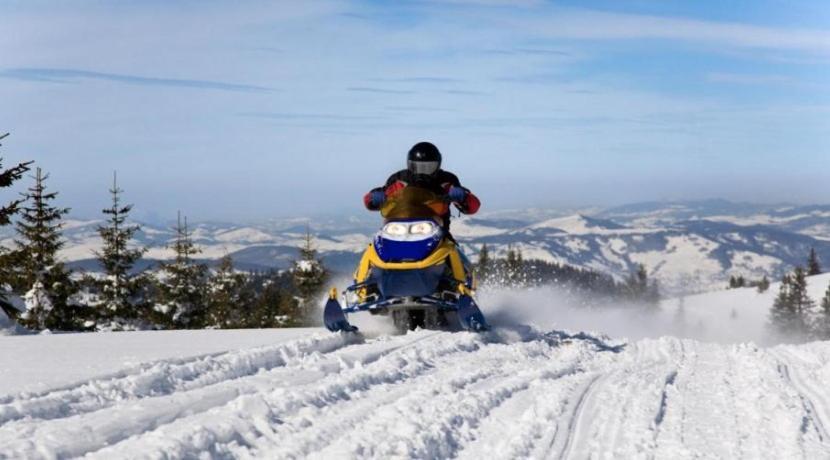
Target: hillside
x,y
688,247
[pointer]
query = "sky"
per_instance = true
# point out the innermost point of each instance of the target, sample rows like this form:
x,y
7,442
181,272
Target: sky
x,y
253,110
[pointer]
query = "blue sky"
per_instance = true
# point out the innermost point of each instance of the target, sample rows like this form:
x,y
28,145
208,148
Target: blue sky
x,y
261,109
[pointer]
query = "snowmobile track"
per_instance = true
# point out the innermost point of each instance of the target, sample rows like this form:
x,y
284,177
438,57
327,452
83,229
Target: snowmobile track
x,y
509,393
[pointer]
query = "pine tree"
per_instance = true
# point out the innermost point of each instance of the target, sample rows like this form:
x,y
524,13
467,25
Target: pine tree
x,y
484,266
38,270
119,290
813,264
763,285
800,297
514,267
309,275
272,307
7,178
791,306
228,298
821,328
181,289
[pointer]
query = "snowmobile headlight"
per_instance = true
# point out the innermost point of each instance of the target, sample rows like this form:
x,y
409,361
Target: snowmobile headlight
x,y
395,229
422,228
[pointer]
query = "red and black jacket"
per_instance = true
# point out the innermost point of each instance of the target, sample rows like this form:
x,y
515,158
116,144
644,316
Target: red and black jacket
x,y
440,183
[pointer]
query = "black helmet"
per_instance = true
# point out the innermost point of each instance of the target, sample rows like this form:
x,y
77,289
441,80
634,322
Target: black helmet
x,y
424,159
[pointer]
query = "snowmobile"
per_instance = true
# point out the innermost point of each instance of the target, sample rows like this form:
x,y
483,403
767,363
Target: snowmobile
x,y
412,271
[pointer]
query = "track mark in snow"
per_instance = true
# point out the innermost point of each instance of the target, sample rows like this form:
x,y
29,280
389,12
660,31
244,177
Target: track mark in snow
x,y
562,445
164,378
814,403
223,429
658,420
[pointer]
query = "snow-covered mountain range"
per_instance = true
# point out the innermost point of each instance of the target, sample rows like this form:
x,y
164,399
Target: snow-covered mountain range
x,y
688,246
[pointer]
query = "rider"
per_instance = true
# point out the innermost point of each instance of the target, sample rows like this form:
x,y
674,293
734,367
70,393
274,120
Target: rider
x,y
424,170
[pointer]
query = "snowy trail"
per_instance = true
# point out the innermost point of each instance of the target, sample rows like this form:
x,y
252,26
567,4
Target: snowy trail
x,y
511,393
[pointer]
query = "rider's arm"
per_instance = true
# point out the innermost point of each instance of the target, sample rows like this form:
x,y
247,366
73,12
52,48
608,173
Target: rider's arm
x,y
372,199
470,204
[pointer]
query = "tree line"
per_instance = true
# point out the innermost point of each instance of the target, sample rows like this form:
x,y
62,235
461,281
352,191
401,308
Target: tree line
x,y
592,287
41,292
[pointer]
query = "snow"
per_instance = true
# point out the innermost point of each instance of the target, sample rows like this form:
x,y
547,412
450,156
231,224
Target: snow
x,y
511,393
527,389
462,228
35,363
244,235
681,253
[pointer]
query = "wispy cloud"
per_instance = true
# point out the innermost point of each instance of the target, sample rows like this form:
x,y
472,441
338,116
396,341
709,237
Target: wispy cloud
x,y
593,25
528,51
464,92
306,116
368,89
409,108
419,80
748,79
52,75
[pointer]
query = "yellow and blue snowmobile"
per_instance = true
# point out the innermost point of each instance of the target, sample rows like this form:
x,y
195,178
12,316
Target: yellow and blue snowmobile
x,y
413,271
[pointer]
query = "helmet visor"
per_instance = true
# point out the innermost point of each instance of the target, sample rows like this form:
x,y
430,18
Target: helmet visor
x,y
426,168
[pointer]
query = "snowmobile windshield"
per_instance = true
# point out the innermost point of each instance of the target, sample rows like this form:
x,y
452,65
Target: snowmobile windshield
x,y
414,203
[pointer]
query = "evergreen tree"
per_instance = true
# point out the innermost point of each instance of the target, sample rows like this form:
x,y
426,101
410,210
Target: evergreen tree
x,y
7,210
763,285
800,297
274,302
38,270
639,289
309,275
790,309
181,288
514,267
229,299
822,324
733,282
119,290
813,265
825,301
484,266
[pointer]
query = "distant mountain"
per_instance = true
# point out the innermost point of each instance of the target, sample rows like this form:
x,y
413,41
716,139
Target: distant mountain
x,y
687,246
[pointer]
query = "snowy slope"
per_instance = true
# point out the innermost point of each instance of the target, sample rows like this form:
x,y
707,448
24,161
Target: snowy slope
x,y
511,393
688,247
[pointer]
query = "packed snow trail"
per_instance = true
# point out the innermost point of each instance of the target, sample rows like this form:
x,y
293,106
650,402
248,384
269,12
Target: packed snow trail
x,y
510,393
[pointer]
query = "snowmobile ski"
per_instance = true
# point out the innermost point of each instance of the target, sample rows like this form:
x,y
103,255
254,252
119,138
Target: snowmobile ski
x,y
333,316
471,317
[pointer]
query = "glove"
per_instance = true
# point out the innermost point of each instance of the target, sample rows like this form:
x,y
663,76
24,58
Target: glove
x,y
377,198
457,194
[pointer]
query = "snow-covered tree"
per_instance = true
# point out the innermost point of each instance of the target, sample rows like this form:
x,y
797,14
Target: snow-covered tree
x,y
181,285
38,307
310,276
120,301
7,210
39,240
229,300
813,264
791,309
